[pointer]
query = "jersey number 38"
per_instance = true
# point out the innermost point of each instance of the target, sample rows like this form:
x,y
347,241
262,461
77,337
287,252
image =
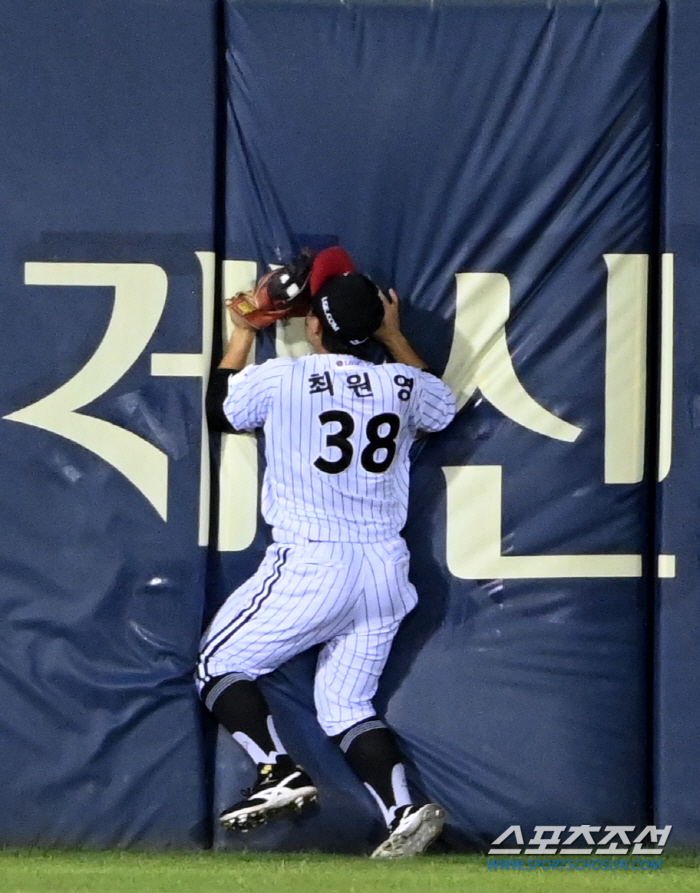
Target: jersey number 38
x,y
380,435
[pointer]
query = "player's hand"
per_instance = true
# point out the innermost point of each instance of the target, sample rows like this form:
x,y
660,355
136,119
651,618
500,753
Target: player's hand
x,y
390,335
390,326
238,321
240,342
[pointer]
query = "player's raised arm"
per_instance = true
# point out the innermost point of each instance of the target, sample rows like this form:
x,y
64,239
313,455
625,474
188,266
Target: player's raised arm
x,y
436,408
240,342
390,335
233,360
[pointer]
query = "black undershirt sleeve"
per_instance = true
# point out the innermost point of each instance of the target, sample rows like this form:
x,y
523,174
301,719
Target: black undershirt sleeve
x,y
217,391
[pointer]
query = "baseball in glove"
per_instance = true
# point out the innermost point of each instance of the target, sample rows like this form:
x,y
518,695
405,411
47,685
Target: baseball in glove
x,y
278,295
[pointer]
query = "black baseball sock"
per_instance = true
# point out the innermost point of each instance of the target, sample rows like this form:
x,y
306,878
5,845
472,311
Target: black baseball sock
x,y
371,751
239,706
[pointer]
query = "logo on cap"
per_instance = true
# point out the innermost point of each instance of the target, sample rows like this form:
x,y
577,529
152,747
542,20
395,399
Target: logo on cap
x,y
329,316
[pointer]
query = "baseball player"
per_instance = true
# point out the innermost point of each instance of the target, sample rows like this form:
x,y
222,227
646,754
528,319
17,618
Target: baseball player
x,y
338,429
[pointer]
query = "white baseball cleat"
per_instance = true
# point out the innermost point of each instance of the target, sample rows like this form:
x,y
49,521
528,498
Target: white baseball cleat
x,y
271,795
412,831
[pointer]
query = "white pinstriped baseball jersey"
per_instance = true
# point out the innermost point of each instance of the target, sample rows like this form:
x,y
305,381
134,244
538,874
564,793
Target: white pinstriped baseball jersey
x,y
337,435
338,431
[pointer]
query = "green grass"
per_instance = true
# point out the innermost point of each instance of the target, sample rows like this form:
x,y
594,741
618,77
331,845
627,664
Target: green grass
x,y
58,871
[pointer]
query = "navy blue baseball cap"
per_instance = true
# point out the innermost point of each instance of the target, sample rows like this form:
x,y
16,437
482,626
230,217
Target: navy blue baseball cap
x,y
347,302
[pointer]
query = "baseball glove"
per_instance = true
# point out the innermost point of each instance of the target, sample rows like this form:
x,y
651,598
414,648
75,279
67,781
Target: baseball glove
x,y
278,295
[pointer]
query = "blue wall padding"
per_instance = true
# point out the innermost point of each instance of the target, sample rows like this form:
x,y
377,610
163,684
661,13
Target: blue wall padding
x,y
107,151
429,141
677,769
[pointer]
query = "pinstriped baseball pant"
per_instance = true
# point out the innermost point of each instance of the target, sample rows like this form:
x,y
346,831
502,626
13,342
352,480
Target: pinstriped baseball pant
x,y
348,597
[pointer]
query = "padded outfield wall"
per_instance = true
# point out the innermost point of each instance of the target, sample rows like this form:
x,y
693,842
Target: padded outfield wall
x,y
498,163
676,774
